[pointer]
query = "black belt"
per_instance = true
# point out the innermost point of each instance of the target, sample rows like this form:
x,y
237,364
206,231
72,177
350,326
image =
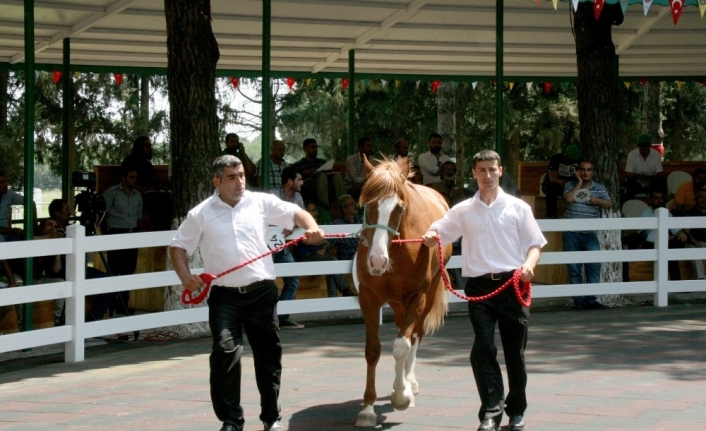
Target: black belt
x,y
122,230
249,288
497,275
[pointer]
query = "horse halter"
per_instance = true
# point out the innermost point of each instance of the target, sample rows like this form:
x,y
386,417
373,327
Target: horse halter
x,y
365,225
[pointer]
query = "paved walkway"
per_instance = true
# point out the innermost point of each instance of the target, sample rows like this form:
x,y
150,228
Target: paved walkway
x,y
635,368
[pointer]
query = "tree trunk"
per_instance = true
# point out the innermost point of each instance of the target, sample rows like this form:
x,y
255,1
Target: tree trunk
x,y
144,121
4,99
192,55
652,111
677,140
446,114
598,104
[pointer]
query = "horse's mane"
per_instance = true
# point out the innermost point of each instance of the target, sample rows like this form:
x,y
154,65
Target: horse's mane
x,y
386,179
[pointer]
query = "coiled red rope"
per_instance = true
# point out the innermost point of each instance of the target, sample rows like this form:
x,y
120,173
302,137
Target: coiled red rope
x,y
523,290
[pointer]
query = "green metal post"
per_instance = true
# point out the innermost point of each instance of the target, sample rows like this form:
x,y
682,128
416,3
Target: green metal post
x,y
351,102
67,102
29,152
266,93
499,117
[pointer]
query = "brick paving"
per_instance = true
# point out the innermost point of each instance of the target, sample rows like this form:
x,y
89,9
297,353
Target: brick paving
x,y
633,368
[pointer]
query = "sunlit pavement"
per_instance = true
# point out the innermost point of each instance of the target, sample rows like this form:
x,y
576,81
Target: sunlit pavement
x,y
635,368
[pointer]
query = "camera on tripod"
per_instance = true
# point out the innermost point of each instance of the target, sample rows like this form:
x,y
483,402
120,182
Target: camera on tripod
x,y
89,204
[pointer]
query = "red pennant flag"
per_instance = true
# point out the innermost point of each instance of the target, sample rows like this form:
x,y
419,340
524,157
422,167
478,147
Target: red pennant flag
x,y
118,78
435,85
290,82
344,83
676,6
702,82
56,75
643,81
235,81
598,8
493,82
537,3
548,87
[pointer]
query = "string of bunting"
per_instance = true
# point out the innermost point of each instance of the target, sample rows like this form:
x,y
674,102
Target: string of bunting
x,y
675,6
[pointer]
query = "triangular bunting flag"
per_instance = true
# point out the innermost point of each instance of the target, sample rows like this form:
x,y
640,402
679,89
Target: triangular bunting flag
x,y
57,76
326,81
118,78
538,4
554,2
676,6
627,84
455,85
576,5
679,84
624,6
598,8
529,86
565,85
290,83
643,81
511,85
493,82
418,82
435,85
77,74
474,84
548,87
702,7
366,82
235,81
308,82
384,83
646,5
397,83
344,84
36,74
702,82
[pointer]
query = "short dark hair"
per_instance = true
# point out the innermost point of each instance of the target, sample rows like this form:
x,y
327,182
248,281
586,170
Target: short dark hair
x,y
434,135
697,171
237,138
222,162
289,173
362,141
484,156
308,141
126,167
138,145
55,206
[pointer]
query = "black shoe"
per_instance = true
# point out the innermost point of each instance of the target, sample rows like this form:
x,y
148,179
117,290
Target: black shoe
x,y
596,306
517,423
274,426
348,292
231,427
489,425
290,324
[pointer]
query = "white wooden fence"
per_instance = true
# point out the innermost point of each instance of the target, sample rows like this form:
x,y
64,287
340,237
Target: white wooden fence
x,y
76,288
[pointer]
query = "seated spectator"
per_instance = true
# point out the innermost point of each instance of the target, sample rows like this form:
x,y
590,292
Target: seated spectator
x,y
49,269
319,186
562,168
430,162
317,253
447,186
7,280
7,199
685,198
277,165
355,167
643,170
677,237
347,247
697,236
401,149
416,175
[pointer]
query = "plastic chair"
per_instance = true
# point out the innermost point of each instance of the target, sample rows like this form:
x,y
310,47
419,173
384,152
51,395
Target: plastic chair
x,y
634,208
541,181
675,179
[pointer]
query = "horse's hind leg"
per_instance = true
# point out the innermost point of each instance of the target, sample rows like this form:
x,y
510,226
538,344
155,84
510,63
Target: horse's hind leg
x,y
371,312
409,364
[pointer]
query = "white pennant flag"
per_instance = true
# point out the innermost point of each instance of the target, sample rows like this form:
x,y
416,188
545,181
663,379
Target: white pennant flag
x,y
326,81
36,74
418,82
529,86
474,84
384,83
646,5
576,5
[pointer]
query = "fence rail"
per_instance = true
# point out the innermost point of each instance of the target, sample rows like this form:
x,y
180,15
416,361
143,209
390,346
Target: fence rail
x,y
76,288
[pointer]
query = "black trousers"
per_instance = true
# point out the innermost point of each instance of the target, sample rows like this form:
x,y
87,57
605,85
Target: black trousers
x,y
553,191
513,321
121,262
229,313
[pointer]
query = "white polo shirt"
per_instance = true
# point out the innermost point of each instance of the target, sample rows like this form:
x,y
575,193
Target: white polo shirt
x,y
428,164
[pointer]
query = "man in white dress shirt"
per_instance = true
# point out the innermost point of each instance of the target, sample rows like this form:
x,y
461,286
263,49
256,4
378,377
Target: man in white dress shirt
x,y
500,235
229,228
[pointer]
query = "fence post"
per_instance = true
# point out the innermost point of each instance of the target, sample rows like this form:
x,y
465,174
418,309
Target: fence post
x,y
660,267
76,304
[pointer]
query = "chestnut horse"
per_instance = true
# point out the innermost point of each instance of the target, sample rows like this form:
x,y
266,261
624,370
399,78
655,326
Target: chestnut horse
x,y
407,276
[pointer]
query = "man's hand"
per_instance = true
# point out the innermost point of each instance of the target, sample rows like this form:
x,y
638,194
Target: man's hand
x,y
527,272
314,235
430,238
192,282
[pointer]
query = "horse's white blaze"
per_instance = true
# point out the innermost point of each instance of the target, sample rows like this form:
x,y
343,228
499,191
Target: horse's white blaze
x,y
378,258
401,396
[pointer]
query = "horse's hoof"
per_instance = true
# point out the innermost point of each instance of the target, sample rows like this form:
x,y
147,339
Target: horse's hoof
x,y
404,403
415,388
367,418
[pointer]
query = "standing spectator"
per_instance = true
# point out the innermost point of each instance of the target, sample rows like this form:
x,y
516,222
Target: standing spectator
x,y
319,186
289,192
277,165
236,148
229,228
355,167
586,204
677,237
347,247
141,158
643,169
499,235
123,209
685,198
562,168
7,199
431,161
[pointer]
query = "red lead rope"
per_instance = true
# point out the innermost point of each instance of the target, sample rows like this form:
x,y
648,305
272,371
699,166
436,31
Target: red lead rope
x,y
523,290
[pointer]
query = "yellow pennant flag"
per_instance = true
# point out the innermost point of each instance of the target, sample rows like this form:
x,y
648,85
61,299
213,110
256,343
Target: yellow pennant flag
x,y
511,84
702,8
679,84
397,83
77,74
554,2
627,85
308,82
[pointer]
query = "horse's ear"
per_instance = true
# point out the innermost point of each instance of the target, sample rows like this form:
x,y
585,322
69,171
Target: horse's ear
x,y
404,165
368,165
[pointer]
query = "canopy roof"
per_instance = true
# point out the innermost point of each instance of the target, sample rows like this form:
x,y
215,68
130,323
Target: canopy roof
x,y
435,38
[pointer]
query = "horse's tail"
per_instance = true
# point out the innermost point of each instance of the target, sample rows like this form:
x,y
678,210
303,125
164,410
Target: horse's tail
x,y
435,318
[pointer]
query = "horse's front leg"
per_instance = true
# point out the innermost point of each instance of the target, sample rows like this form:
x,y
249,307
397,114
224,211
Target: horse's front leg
x,y
402,396
367,417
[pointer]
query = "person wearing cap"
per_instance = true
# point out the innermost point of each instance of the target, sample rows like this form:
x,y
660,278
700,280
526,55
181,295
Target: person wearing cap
x,y
562,168
643,170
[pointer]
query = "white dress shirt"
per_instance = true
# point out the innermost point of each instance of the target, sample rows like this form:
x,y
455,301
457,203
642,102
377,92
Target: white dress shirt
x,y
228,236
637,165
429,164
496,237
